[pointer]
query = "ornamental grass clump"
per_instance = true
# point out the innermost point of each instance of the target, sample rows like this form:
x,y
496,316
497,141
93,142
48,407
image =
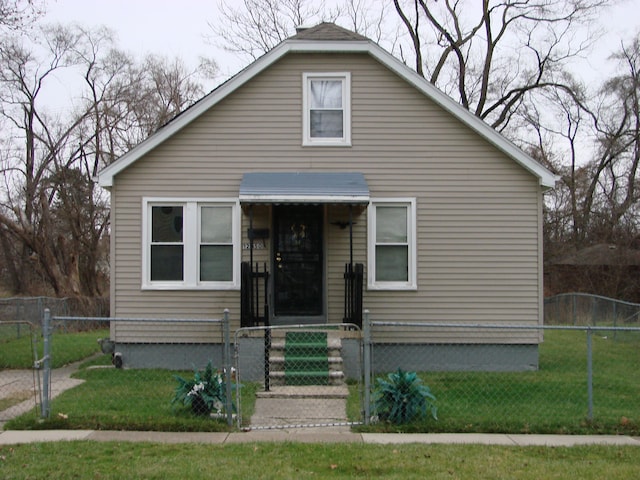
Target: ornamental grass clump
x,y
204,394
402,398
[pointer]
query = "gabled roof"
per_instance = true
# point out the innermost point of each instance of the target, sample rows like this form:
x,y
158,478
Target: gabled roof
x,y
328,37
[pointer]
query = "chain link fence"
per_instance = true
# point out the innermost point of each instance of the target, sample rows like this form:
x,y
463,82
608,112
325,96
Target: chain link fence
x,y
590,310
21,344
578,373
15,310
86,380
19,382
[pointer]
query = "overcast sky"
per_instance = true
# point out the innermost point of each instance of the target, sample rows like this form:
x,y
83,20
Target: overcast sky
x,y
178,28
169,27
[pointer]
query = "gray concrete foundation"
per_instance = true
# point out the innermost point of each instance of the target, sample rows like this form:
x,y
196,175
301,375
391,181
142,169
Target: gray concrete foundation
x,y
386,357
171,356
452,357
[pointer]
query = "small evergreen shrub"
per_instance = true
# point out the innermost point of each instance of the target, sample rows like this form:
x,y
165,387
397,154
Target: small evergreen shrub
x,y
403,398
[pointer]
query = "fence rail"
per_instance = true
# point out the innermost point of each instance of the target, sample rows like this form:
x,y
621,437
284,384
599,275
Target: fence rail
x,y
578,373
589,309
594,365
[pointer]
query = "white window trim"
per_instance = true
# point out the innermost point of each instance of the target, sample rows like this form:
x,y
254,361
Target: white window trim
x,y
307,140
411,283
191,230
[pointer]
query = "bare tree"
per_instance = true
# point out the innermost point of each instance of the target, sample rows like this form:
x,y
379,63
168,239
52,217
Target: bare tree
x,y
594,144
256,26
18,14
24,212
53,217
613,189
492,56
253,27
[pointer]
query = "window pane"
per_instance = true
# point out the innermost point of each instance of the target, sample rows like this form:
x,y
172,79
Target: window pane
x,y
326,94
391,225
326,124
167,262
216,225
216,263
166,224
392,263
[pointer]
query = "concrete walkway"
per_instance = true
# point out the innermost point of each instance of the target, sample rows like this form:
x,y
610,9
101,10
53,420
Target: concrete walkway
x,y
284,406
27,383
313,435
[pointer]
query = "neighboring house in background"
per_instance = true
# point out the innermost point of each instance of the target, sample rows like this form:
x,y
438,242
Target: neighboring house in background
x,y
328,153
604,269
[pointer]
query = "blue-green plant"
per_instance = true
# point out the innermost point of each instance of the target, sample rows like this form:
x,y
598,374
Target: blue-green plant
x,y
403,398
204,394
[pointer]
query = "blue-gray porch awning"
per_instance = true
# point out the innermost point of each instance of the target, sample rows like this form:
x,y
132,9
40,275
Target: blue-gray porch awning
x,y
304,187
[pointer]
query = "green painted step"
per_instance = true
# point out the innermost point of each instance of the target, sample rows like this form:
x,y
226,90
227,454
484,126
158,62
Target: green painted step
x,y
306,358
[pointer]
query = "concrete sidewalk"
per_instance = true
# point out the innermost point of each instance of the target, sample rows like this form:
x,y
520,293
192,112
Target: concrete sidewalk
x,y
312,435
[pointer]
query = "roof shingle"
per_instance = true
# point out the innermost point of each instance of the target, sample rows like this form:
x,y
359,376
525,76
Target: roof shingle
x,y
327,31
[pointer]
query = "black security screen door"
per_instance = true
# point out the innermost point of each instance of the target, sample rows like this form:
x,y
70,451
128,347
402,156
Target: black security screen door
x,y
298,260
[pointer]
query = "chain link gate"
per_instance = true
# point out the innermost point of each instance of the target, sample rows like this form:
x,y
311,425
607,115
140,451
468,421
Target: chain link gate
x,y
299,376
20,387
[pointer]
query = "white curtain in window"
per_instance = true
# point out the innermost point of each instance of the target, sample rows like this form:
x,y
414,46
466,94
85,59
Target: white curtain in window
x,y
326,109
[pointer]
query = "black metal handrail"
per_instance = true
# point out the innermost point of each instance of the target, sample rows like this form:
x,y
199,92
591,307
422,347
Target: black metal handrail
x,y
353,287
254,299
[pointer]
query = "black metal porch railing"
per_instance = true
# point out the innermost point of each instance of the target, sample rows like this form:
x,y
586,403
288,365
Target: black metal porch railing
x,y
353,286
254,304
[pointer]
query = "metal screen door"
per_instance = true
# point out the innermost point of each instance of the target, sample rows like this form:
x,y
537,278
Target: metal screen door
x,y
298,260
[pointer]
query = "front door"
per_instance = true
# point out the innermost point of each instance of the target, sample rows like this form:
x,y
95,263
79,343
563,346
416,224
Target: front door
x,y
298,261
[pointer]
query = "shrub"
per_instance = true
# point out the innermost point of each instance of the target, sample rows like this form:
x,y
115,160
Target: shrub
x,y
205,393
402,398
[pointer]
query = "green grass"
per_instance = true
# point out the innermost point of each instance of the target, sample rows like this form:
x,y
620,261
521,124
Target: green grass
x,y
114,399
112,460
550,400
65,348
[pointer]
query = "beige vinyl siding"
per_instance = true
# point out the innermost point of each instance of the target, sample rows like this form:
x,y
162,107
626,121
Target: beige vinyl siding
x,y
478,212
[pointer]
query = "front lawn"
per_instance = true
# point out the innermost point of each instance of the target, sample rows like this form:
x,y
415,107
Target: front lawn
x,y
550,400
111,460
125,399
553,399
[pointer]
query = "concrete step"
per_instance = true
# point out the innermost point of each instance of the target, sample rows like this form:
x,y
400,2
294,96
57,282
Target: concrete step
x,y
278,361
335,378
305,391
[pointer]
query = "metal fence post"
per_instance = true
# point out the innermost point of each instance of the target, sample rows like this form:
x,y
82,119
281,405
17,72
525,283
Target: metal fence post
x,y
227,366
46,362
366,359
589,375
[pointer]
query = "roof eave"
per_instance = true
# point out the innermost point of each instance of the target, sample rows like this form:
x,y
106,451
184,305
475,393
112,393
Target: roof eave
x,y
546,178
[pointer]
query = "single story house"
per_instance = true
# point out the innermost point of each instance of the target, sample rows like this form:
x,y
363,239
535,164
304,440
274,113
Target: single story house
x,y
324,178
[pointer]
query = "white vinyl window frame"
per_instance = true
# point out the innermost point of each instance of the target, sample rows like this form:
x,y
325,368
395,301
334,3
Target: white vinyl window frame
x,y
410,283
313,141
191,208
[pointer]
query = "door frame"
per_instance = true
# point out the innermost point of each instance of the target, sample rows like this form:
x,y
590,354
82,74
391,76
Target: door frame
x,y
299,319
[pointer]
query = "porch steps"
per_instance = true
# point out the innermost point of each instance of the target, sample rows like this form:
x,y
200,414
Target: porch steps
x,y
306,358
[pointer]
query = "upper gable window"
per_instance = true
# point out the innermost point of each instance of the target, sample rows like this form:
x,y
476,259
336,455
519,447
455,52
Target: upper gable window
x,y
327,109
